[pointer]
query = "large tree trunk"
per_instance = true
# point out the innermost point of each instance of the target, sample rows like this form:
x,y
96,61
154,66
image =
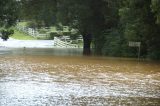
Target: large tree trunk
x,y
87,44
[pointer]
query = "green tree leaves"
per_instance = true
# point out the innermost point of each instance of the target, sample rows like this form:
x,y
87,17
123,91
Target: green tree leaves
x,y
8,12
43,12
8,17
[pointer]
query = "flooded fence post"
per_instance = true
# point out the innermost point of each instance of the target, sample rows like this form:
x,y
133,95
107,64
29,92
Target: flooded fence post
x,y
136,44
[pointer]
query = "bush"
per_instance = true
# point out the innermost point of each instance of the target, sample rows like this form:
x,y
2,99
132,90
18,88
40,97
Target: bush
x,y
43,31
66,33
112,45
54,34
116,45
155,54
6,33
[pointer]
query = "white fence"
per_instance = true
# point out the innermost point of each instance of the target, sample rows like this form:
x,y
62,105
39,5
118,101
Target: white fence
x,y
63,42
30,31
59,43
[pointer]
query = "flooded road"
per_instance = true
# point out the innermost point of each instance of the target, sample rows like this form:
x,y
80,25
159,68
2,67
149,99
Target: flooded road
x,y
51,80
14,43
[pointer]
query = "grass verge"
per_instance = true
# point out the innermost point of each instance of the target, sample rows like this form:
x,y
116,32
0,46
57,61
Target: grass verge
x,y
22,36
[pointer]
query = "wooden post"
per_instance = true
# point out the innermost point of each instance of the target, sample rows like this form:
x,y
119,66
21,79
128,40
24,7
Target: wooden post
x,y
139,52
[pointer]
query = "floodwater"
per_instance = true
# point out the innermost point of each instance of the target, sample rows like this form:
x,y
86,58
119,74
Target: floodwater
x,y
49,79
14,43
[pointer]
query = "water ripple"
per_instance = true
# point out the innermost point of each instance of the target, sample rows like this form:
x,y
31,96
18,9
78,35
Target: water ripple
x,y
57,81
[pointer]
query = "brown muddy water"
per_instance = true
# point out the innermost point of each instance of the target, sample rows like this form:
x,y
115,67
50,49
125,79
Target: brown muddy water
x,y
45,79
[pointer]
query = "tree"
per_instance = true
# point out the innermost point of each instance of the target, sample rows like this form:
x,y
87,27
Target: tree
x,y
112,35
90,17
8,16
86,16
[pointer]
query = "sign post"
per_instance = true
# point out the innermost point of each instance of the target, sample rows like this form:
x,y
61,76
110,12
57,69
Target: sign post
x,y
136,44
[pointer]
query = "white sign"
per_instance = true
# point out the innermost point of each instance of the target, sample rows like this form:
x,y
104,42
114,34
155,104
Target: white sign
x,y
134,44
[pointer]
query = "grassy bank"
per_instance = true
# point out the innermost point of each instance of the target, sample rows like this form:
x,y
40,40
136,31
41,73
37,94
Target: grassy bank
x,y
22,36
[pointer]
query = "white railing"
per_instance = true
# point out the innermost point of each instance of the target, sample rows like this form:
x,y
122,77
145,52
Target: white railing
x,y
29,31
62,44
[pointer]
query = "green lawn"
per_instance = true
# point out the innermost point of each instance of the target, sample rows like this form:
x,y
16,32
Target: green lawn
x,y
22,23
21,36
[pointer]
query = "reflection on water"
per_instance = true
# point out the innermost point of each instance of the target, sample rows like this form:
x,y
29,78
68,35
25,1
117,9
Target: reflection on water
x,y
41,51
49,80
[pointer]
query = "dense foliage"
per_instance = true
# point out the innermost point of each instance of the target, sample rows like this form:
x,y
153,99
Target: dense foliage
x,y
139,20
111,24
